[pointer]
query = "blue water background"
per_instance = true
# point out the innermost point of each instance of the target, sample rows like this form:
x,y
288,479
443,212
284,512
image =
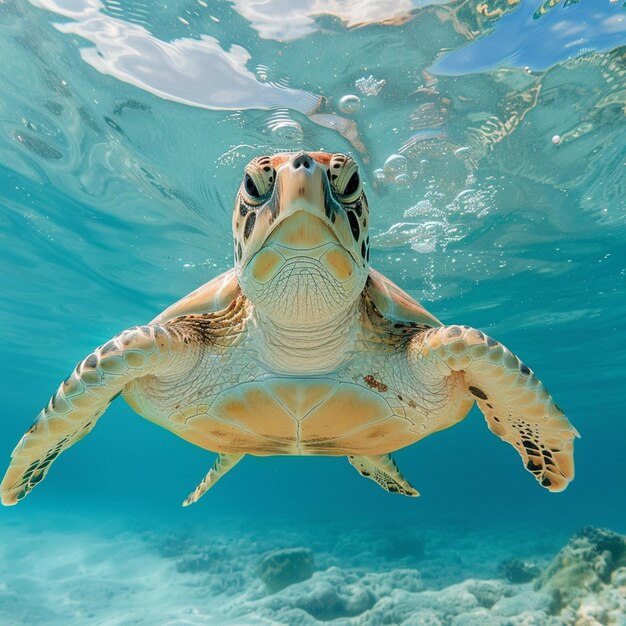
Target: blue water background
x,y
117,175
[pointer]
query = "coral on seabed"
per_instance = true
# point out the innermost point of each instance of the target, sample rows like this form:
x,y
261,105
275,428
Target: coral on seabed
x,y
518,571
397,598
587,579
282,568
585,585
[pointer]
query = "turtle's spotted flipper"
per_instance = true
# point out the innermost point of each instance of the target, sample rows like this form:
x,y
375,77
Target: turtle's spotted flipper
x,y
223,464
382,469
74,409
517,407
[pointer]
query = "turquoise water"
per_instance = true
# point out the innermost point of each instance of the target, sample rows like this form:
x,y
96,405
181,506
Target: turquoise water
x,y
125,127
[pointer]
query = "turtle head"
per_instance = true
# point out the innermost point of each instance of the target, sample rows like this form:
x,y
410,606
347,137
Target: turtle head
x,y
300,227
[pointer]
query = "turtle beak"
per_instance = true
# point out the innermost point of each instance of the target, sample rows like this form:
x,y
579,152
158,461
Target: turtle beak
x,y
300,187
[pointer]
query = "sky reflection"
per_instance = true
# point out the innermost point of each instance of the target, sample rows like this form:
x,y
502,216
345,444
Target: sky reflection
x,y
197,72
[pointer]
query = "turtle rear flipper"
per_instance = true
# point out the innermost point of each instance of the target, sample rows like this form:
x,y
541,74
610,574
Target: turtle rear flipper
x,y
223,464
382,469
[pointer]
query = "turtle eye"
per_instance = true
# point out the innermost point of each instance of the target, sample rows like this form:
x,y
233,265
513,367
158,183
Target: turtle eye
x,y
250,187
353,184
343,174
258,181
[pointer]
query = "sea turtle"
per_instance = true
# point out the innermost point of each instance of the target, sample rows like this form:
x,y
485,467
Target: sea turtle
x,y
302,349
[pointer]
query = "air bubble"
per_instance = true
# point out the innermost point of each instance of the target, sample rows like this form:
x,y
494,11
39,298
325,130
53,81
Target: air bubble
x,y
262,72
556,140
288,131
403,180
395,164
370,86
421,209
284,128
379,175
350,104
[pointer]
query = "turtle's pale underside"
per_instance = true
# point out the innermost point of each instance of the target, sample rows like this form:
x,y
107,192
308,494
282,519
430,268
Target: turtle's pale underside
x,y
302,349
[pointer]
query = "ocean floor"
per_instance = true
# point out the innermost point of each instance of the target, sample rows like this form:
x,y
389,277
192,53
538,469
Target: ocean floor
x,y
231,573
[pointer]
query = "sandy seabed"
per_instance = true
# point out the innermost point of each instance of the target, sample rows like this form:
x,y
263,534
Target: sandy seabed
x,y
447,574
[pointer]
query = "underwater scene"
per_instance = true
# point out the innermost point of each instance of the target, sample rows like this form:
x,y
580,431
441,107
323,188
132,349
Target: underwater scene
x,y
473,153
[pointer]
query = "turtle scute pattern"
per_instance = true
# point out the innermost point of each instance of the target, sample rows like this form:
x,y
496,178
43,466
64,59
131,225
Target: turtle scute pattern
x,y
516,405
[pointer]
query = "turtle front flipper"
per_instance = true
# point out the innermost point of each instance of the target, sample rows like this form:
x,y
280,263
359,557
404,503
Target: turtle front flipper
x,y
382,469
517,407
82,398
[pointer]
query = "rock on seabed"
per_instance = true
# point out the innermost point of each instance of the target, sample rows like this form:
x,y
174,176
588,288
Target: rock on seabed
x,y
282,568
